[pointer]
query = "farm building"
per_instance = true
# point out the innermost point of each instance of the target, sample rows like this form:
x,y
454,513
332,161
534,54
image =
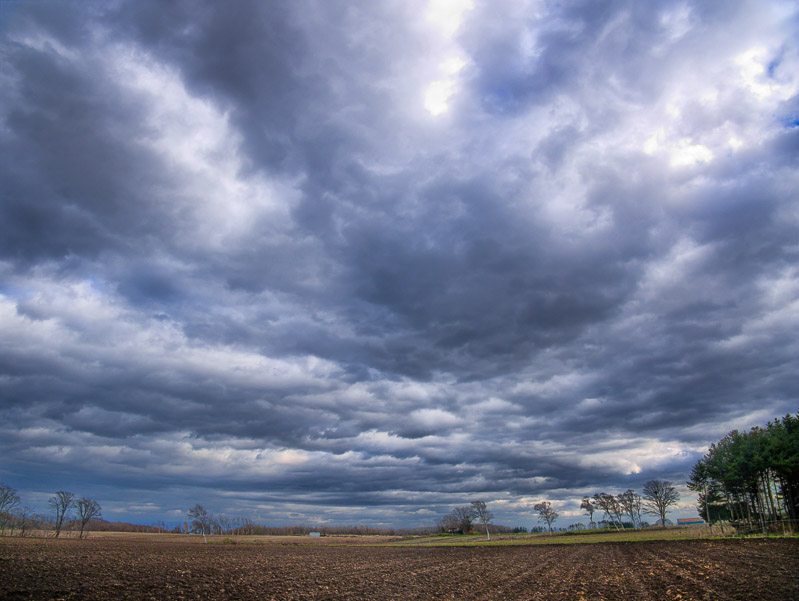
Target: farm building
x,y
689,521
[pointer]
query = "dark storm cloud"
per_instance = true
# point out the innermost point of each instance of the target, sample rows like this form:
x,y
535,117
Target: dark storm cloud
x,y
240,262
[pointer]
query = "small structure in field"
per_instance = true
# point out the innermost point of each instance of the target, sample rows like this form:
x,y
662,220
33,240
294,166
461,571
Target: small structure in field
x,y
316,534
689,521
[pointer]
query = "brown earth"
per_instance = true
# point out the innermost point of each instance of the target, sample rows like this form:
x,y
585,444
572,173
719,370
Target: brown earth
x,y
137,569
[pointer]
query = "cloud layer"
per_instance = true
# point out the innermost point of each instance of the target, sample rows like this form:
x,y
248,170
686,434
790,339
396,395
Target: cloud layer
x,y
325,261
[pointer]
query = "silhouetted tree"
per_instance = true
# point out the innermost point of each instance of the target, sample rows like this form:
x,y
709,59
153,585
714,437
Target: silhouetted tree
x,y
61,504
201,520
658,496
631,504
610,507
589,507
546,513
464,516
482,513
22,520
88,509
448,523
9,499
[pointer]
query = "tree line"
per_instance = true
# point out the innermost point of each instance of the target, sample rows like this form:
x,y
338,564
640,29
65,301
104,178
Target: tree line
x,y
656,498
751,479
67,509
201,521
79,513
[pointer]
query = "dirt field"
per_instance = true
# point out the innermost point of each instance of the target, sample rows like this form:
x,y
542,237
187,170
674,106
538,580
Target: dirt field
x,y
139,569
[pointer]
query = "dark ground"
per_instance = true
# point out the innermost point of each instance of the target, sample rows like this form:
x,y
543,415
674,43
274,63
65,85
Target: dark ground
x,y
759,570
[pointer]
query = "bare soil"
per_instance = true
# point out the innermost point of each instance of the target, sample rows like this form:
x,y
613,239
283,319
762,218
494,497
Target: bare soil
x,y
138,569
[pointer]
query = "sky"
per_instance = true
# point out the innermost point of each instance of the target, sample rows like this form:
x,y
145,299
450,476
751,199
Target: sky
x,y
328,262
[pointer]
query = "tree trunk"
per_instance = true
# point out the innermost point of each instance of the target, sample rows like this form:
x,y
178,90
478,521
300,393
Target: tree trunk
x,y
774,507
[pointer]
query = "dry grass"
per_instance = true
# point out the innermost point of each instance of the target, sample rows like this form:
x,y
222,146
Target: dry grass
x,y
255,539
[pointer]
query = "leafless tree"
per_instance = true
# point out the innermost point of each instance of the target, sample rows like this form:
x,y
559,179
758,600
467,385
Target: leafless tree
x,y
658,496
546,513
225,523
448,523
88,509
243,525
630,503
464,516
201,520
22,520
638,507
9,499
61,503
482,513
589,507
610,506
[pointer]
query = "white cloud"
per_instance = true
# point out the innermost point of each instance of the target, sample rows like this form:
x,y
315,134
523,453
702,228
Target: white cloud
x,y
446,15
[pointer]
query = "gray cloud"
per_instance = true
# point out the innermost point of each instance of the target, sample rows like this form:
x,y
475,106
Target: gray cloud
x,y
241,263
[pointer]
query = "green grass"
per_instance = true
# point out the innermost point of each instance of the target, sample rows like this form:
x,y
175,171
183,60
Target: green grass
x,y
566,538
445,540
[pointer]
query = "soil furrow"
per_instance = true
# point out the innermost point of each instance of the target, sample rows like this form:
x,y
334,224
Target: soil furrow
x,y
667,570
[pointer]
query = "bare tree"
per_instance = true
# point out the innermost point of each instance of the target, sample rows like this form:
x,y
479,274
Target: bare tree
x,y
61,503
589,507
638,507
225,524
22,520
88,509
201,520
448,523
482,513
610,506
546,513
464,516
630,503
658,496
9,499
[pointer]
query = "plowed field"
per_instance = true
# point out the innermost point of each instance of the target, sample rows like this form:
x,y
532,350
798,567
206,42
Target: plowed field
x,y
665,570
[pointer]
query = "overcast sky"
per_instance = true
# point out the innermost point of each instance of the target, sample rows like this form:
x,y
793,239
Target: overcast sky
x,y
361,262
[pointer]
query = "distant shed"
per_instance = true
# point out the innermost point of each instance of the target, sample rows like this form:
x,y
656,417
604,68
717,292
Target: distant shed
x,y
689,521
316,534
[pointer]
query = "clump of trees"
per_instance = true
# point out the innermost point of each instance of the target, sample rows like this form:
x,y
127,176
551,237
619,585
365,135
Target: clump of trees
x,y
751,478
64,502
22,520
459,520
462,519
656,498
9,500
